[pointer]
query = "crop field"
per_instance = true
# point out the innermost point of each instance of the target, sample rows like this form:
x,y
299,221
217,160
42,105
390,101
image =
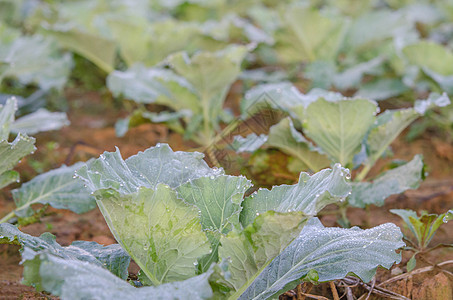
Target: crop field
x,y
226,149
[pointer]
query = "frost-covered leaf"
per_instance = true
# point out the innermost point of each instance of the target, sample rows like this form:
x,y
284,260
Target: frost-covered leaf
x,y
332,253
381,89
112,258
391,123
155,165
218,198
7,112
57,188
338,127
35,59
161,233
250,250
11,153
74,279
149,85
40,120
285,137
250,143
395,181
282,95
352,77
309,196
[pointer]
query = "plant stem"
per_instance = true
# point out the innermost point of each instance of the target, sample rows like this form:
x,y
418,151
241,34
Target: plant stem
x,y
363,173
7,217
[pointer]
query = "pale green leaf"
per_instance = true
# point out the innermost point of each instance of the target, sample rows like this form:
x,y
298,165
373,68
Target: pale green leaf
x,y
211,74
8,177
154,85
381,89
309,196
250,143
338,127
57,188
395,181
36,59
391,123
161,233
218,198
249,251
11,153
332,252
155,165
40,120
298,43
101,51
77,280
7,112
285,137
283,96
430,55
112,257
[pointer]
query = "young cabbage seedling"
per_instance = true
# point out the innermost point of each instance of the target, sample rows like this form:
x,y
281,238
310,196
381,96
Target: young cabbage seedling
x,y
423,228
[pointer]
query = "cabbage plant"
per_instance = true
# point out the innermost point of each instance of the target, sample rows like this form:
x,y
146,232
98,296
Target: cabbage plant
x,y
196,233
56,187
338,129
194,88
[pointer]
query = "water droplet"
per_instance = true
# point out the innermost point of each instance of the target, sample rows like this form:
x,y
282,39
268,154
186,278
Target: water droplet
x,y
158,145
348,176
146,248
195,263
257,214
74,176
212,177
445,219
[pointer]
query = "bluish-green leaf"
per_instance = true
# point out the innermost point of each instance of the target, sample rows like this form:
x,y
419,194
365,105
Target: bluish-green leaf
x,y
309,196
58,188
395,181
332,252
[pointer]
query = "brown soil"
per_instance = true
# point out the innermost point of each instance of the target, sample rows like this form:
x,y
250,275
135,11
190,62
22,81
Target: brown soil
x,y
91,132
